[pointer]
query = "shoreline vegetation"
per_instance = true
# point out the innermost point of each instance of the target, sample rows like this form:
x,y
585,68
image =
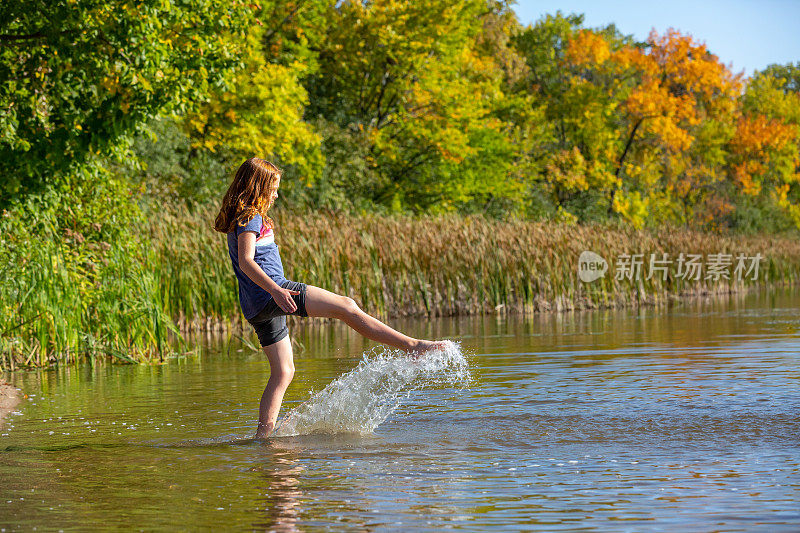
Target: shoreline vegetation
x,y
451,265
393,266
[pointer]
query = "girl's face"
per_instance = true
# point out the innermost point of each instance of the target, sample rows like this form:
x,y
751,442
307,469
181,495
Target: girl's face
x,y
273,192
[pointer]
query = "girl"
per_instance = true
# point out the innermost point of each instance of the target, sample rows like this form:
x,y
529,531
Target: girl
x,y
266,296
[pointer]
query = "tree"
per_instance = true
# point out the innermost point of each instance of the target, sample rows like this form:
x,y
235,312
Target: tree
x,y
577,87
77,78
765,150
409,80
260,114
674,104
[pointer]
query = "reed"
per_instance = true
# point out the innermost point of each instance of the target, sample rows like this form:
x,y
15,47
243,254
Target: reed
x,y
446,265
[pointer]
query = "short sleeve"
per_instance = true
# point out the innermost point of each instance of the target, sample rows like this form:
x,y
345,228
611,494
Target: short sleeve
x,y
253,225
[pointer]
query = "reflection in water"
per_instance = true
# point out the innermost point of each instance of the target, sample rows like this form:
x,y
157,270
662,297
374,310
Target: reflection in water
x,y
682,420
280,509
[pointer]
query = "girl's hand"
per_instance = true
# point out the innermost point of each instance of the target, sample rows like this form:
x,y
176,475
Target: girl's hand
x,y
283,297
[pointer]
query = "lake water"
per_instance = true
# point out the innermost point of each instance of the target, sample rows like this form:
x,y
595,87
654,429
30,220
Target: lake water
x,y
681,419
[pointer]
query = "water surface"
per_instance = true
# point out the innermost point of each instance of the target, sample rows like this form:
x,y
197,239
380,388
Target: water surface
x,y
681,419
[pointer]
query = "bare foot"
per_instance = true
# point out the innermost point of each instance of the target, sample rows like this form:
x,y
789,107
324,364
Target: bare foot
x,y
422,347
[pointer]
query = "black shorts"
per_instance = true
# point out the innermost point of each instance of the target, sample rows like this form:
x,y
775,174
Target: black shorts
x,y
270,322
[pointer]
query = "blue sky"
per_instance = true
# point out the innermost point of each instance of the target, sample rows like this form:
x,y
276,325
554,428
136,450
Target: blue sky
x,y
750,34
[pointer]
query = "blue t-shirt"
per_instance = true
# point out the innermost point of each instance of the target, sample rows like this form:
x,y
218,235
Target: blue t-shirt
x,y
253,298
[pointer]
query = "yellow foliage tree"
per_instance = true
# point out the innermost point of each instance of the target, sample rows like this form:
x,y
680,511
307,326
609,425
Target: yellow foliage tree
x,y
261,115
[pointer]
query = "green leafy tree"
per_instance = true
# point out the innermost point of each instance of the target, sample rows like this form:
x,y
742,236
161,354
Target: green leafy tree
x,y
408,79
787,75
78,77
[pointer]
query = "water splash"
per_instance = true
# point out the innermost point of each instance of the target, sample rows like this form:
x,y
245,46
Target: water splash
x,y
359,401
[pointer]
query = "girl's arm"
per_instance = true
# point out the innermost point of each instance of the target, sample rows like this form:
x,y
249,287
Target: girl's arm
x,y
247,252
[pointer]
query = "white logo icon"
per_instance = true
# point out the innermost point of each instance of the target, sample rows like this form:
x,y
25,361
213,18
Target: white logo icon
x,y
591,267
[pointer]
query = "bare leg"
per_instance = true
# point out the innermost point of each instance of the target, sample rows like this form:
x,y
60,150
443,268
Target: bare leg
x,y
281,372
322,303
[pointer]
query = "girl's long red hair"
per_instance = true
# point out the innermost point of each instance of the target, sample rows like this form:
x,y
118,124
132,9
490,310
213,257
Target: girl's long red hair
x,y
249,194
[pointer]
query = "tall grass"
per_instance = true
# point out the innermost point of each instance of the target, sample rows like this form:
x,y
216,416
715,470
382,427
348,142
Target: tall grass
x,y
63,301
446,265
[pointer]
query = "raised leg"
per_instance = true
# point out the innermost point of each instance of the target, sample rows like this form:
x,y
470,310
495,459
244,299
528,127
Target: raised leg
x,y
281,372
323,303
